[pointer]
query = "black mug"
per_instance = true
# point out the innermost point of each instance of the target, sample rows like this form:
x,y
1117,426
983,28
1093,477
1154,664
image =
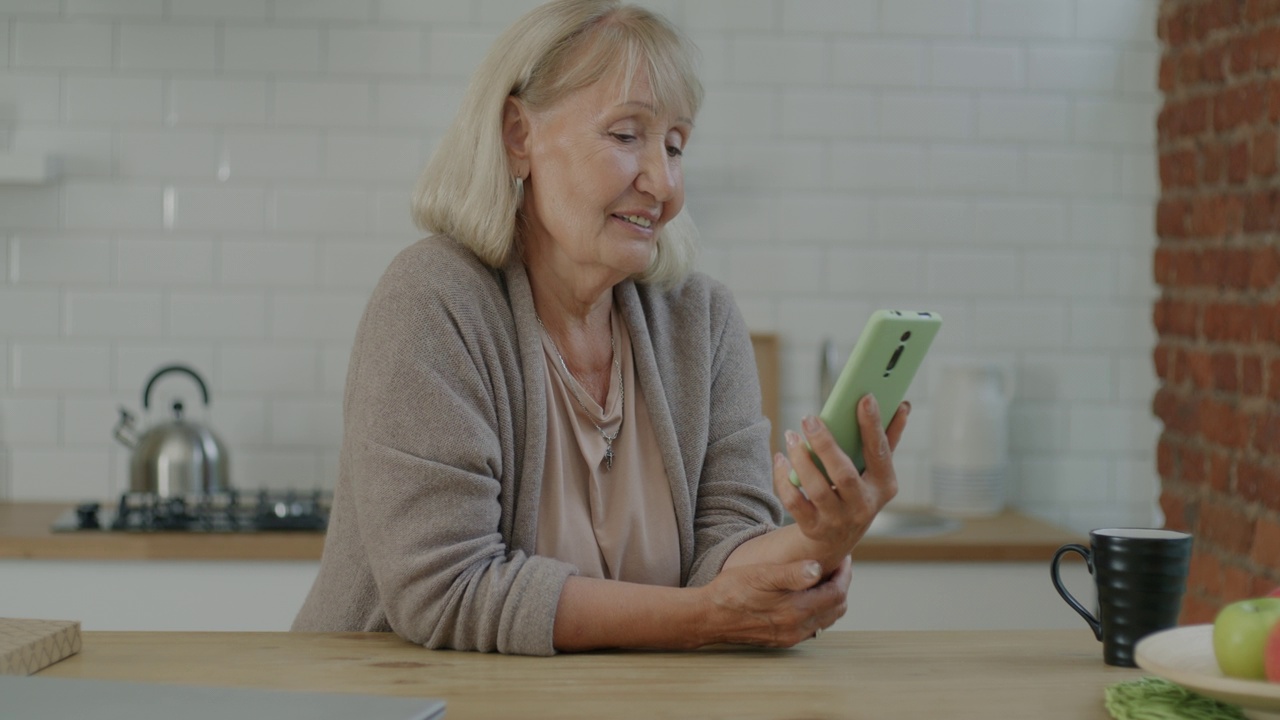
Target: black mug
x,y
1140,574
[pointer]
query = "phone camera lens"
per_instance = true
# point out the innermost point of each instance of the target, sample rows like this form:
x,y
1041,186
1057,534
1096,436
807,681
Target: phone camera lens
x,y
906,336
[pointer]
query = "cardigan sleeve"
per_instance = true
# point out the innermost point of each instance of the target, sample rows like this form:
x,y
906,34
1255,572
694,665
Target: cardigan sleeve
x,y
735,500
430,431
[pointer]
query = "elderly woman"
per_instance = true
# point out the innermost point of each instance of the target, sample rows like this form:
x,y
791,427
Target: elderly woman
x,y
553,436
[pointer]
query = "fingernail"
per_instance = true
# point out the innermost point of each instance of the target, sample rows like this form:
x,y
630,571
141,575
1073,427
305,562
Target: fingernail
x,y
872,404
779,460
810,424
908,407
792,439
812,570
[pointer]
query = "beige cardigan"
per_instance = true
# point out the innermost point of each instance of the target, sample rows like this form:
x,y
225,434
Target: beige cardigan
x,y
434,519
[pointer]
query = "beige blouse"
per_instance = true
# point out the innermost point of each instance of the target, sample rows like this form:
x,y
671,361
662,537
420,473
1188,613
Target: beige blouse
x,y
617,523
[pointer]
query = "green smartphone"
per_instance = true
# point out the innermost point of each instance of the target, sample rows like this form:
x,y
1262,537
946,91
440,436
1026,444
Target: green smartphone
x,y
883,363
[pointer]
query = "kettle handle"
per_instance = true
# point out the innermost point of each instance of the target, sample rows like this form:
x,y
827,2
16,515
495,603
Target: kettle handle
x,y
146,394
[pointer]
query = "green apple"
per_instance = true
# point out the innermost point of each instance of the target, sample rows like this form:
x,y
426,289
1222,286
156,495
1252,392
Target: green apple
x,y
1240,635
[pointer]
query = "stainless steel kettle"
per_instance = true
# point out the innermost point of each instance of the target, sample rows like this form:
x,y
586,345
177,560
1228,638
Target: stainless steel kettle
x,y
177,458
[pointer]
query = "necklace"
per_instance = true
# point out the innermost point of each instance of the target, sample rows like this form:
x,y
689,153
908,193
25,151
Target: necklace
x,y
622,393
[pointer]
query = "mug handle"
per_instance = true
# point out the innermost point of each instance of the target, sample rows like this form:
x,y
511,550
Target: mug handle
x,y
1062,590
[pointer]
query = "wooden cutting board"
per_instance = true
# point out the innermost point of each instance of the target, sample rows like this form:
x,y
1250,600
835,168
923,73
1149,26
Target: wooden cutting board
x,y
28,646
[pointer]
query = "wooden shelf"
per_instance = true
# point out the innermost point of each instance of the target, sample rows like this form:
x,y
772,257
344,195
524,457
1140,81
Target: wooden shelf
x,y
25,534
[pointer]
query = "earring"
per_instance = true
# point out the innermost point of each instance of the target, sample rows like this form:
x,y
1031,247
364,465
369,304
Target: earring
x,y
519,185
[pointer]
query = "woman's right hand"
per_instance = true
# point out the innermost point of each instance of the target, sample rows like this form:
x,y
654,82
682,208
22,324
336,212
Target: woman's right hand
x,y
775,605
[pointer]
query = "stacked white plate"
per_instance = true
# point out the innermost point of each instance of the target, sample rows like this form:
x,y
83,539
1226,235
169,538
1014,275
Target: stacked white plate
x,y
967,492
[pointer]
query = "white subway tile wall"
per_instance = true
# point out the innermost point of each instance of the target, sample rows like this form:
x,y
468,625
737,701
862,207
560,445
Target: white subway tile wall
x,y
224,9
235,176
61,45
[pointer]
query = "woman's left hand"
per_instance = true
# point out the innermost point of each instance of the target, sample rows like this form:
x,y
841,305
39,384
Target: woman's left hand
x,y
834,515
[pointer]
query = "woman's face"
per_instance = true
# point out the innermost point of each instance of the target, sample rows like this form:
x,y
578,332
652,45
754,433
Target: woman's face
x,y
604,177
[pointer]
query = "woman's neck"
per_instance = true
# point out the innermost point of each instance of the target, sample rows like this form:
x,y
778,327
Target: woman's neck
x,y
577,316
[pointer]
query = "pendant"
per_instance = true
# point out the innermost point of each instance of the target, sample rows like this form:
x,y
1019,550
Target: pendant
x,y
608,457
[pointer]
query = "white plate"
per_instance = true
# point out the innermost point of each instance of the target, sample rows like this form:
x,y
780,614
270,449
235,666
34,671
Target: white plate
x,y
1184,655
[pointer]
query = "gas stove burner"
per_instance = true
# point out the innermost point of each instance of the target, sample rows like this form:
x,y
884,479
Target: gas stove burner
x,y
227,512
291,512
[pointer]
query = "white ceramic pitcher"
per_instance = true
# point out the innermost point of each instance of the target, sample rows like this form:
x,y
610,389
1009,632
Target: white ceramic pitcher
x,y
969,451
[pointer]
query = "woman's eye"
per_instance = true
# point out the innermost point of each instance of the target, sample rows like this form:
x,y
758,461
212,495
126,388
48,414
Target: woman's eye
x,y
623,137
674,151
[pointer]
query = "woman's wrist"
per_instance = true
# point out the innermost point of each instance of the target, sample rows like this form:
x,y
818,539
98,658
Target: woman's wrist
x,y
707,626
828,557
828,553
787,544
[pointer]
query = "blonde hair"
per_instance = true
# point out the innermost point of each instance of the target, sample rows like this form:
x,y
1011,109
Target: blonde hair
x,y
467,190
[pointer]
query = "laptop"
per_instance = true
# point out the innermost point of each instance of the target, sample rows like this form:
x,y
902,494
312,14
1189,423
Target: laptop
x,y
44,698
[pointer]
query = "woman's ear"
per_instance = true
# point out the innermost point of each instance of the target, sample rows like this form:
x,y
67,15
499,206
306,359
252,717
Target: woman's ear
x,y
515,136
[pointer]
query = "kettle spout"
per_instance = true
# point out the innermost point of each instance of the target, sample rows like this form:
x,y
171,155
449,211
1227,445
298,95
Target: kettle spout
x,y
124,430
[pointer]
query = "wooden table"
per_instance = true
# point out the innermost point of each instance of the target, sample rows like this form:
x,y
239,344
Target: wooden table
x,y
1044,674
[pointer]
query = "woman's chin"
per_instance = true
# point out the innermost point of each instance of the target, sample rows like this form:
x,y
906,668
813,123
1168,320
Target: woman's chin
x,y
634,263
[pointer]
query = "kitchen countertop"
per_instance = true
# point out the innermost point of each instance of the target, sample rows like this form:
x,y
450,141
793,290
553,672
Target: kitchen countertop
x,y
25,534
979,675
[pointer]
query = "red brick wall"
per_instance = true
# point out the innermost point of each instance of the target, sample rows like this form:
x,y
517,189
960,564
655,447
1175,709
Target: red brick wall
x,y
1217,263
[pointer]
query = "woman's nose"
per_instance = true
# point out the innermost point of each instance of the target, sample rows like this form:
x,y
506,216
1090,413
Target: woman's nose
x,y
659,176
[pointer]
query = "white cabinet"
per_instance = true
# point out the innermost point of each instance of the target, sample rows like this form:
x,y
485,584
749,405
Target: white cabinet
x,y
963,596
156,594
